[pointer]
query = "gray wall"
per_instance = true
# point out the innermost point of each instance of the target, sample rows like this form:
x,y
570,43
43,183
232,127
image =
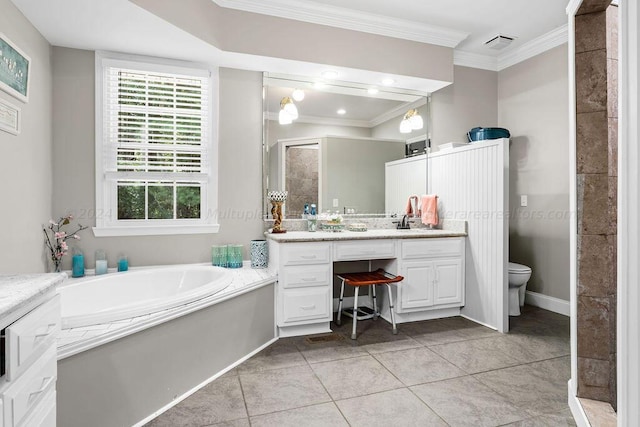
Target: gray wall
x,y
353,172
471,101
25,175
240,166
533,105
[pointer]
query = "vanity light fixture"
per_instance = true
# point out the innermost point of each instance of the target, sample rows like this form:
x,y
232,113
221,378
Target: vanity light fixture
x,y
341,111
288,111
411,121
298,95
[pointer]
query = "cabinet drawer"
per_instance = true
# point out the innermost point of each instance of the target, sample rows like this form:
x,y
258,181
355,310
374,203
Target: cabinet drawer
x,y
305,253
304,305
25,394
427,248
308,275
365,249
28,337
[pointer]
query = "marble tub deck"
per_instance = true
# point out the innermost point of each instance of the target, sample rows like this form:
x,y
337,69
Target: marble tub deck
x,y
446,372
75,340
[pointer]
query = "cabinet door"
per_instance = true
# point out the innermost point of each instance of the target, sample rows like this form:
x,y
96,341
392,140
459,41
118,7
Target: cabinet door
x,y
447,283
416,290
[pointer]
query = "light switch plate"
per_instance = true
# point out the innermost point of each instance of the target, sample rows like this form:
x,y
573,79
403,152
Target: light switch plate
x,y
524,200
336,203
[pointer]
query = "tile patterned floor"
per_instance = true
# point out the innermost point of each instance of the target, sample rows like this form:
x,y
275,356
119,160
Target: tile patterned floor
x,y
447,372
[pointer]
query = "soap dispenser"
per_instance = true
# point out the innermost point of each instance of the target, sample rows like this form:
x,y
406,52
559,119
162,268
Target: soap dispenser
x,y
312,219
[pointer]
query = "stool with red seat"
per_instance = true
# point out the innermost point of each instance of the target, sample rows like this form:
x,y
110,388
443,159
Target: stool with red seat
x,y
367,278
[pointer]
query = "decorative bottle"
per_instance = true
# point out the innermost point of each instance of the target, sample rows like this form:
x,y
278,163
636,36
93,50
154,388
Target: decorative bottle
x,y
312,219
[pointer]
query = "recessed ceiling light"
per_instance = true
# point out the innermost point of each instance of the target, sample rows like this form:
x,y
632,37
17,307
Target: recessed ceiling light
x,y
298,95
330,74
372,90
388,81
319,85
341,111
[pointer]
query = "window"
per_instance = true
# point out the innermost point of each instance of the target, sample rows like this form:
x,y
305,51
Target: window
x,y
155,156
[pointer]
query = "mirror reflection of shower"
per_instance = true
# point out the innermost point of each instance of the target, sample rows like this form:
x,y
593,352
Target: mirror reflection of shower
x,y
301,177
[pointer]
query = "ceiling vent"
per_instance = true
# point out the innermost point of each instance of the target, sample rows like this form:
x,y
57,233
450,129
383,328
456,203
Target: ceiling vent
x,y
499,42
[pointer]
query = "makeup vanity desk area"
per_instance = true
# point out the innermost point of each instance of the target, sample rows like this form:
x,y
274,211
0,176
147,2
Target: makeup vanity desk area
x,y
431,262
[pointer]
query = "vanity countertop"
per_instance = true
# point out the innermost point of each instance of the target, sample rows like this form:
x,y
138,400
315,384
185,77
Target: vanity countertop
x,y
328,236
19,290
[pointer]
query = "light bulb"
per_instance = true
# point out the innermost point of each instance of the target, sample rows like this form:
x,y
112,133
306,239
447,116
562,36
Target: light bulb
x,y
284,118
416,122
341,111
291,110
388,81
405,126
298,95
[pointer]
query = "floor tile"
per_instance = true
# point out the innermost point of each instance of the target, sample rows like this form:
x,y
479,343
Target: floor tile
x,y
442,331
281,389
538,388
560,419
599,414
396,408
418,365
467,402
354,377
243,422
326,414
219,401
281,354
327,354
481,355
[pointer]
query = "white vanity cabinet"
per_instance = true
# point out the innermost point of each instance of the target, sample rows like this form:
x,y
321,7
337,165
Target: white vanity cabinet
x,y
432,266
28,387
304,297
433,271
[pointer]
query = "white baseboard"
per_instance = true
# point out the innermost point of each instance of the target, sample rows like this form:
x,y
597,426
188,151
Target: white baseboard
x,y
556,305
575,406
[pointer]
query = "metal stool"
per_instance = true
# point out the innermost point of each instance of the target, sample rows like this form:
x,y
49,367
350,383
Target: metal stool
x,y
367,278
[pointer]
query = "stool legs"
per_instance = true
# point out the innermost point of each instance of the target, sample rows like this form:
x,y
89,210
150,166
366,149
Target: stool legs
x,y
355,314
338,317
393,316
375,304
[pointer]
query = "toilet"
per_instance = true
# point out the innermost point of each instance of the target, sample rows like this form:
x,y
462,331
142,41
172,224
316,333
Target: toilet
x,y
519,275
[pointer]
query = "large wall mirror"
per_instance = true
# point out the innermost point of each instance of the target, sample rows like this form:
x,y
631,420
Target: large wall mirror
x,y
327,142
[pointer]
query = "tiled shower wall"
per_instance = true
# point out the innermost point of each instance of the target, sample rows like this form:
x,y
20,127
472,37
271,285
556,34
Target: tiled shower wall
x,y
596,150
302,179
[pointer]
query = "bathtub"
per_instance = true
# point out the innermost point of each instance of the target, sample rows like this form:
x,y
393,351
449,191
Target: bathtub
x,y
118,296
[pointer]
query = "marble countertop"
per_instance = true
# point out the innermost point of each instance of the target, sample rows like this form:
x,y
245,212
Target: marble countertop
x,y
19,290
324,236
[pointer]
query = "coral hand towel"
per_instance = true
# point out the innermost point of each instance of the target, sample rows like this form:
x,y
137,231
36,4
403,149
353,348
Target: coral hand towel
x,y
409,209
429,206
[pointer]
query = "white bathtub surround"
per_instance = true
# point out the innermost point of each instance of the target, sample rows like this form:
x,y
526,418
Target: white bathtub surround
x,y
75,340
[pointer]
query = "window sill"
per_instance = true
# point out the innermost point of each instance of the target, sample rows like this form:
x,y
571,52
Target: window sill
x,y
155,230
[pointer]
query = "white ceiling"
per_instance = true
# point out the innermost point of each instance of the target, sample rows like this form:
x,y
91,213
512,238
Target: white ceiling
x,y
120,25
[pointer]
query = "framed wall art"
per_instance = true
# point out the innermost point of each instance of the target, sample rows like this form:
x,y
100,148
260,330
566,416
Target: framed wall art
x,y
9,117
15,67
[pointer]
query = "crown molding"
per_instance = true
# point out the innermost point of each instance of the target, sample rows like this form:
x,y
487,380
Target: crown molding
x,y
272,116
395,112
475,60
545,42
350,19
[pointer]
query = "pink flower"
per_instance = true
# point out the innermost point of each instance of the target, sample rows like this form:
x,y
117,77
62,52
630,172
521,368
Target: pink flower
x,y
75,236
52,222
60,235
70,217
64,246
